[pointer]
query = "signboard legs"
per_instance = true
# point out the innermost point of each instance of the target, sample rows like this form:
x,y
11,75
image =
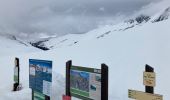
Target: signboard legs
x,y
68,66
104,82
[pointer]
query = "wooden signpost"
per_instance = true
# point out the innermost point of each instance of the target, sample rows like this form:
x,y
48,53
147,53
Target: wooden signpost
x,y
149,80
16,75
150,70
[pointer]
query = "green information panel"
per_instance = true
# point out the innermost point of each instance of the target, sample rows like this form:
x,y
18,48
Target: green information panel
x,y
16,75
85,83
38,96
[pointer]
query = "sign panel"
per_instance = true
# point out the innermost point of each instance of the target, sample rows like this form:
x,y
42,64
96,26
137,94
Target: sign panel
x,y
149,78
85,83
40,76
138,95
16,69
38,96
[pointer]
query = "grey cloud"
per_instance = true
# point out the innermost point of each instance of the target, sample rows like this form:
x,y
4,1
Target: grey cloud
x,y
61,16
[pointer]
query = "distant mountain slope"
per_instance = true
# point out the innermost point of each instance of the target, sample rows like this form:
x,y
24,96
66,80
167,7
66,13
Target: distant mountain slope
x,y
11,45
163,16
73,39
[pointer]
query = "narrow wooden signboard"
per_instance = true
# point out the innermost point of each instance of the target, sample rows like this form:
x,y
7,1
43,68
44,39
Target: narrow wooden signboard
x,y
138,95
149,79
16,75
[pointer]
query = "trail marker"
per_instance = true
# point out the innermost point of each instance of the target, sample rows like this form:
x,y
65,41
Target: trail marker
x,y
16,75
149,80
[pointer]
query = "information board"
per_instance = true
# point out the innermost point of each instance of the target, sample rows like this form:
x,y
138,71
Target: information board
x,y
85,83
40,76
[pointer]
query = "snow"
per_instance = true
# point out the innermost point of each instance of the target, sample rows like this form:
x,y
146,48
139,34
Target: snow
x,y
10,47
125,52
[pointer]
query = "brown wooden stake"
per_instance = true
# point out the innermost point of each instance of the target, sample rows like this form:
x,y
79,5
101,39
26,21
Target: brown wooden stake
x,y
149,89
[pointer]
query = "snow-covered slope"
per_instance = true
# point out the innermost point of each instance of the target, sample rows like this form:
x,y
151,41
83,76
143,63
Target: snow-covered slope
x,y
73,39
164,15
125,52
11,45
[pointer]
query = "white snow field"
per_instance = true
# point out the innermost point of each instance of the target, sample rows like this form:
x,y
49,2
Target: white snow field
x,y
11,46
125,52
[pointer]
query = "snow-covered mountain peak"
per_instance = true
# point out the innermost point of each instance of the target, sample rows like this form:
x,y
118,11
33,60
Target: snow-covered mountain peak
x,y
163,16
139,19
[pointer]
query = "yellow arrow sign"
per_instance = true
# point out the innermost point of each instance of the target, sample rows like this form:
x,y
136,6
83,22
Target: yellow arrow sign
x,y
138,95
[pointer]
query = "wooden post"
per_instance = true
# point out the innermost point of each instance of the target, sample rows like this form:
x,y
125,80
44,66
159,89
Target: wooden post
x,y
16,84
149,89
47,97
104,82
68,66
32,94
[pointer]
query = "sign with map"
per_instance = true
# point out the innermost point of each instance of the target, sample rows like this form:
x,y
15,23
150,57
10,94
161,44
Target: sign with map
x,y
85,83
40,76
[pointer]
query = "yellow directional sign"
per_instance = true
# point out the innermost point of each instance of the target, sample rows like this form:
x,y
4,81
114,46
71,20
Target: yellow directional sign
x,y
149,78
138,95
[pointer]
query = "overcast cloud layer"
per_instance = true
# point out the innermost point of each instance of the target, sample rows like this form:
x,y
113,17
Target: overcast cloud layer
x,y
28,17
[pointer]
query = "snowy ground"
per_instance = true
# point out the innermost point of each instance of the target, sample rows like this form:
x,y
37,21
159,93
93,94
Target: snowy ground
x,y
125,52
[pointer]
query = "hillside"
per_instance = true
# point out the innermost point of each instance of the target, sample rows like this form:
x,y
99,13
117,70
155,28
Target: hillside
x,y
125,52
10,45
74,39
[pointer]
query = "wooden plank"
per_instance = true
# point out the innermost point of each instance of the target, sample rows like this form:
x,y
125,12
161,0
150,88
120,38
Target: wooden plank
x,y
149,79
138,95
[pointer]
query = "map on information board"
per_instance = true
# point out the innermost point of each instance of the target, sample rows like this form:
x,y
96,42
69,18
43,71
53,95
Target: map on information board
x,y
40,76
85,83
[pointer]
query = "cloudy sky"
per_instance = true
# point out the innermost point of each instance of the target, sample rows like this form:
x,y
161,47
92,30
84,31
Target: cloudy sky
x,y
30,17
